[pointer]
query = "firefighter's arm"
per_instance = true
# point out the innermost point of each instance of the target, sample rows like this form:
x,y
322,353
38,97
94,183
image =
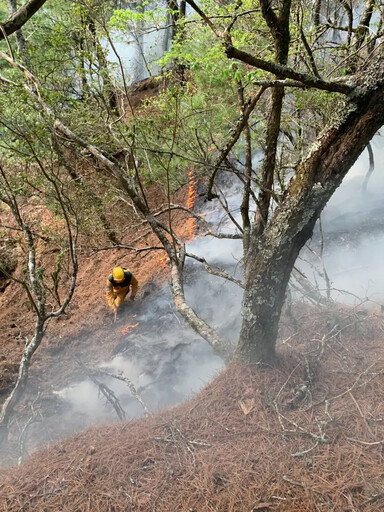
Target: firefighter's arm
x,y
110,295
134,286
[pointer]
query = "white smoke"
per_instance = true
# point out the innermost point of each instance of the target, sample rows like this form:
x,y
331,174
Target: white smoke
x,y
167,362
353,233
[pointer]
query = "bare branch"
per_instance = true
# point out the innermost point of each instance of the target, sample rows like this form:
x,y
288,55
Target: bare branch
x,y
221,346
241,123
218,272
21,16
14,228
307,48
202,14
123,378
104,390
204,224
287,72
129,248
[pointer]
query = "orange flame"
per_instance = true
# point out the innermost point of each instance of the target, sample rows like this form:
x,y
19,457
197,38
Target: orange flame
x,y
192,195
163,261
129,328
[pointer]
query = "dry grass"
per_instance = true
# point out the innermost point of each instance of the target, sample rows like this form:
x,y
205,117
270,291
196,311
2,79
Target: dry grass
x,y
305,436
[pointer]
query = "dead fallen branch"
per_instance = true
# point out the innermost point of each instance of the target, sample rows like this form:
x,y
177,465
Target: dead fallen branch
x,y
92,372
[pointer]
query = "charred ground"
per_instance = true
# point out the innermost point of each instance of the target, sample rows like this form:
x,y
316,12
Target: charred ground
x,y
304,436
86,331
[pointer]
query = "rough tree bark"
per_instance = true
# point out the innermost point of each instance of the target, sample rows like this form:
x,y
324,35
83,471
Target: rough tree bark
x,y
20,17
279,28
275,243
270,259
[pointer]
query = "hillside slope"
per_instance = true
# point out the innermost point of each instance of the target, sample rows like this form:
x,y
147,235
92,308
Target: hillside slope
x,y
306,436
87,330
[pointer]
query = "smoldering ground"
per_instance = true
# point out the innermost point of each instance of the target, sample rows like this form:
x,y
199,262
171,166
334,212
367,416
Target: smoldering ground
x,y
167,362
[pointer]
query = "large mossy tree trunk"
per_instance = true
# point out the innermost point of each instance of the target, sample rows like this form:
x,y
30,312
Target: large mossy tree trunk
x,y
270,258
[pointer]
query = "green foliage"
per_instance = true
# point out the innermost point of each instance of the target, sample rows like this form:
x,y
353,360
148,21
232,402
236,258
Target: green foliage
x,y
195,119
183,127
4,15
144,14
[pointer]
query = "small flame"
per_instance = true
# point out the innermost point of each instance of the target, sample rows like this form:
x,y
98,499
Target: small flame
x,y
192,195
163,261
129,328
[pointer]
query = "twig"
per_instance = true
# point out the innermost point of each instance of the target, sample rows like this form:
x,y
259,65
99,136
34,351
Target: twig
x,y
119,376
329,400
286,382
218,272
105,390
361,413
123,378
304,452
128,248
322,438
23,433
375,443
294,482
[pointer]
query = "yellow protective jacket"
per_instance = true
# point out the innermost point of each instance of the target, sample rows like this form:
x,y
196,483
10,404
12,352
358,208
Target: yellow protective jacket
x,y
116,292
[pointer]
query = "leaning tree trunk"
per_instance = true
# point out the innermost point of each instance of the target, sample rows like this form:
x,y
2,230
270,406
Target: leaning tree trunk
x,y
270,260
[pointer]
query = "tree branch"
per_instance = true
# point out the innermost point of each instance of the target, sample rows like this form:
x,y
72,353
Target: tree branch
x,y
221,346
20,17
206,226
119,376
241,123
219,272
287,72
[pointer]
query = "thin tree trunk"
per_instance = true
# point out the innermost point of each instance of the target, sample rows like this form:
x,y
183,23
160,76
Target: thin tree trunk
x,y
220,346
279,27
268,168
12,400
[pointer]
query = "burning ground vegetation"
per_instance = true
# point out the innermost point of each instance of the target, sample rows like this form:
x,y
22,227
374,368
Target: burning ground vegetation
x,y
307,435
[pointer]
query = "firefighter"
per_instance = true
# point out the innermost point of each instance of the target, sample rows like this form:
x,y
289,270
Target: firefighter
x,y
118,285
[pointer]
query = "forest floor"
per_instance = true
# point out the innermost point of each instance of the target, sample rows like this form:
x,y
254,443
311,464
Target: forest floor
x,y
304,436
87,331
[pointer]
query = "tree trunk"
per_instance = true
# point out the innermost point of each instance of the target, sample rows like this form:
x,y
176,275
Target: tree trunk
x,y
220,346
271,259
18,390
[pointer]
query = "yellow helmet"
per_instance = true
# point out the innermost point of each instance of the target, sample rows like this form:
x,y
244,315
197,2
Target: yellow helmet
x,y
118,273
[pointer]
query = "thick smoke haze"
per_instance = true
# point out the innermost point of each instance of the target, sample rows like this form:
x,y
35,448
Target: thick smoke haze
x,y
167,362
353,233
164,358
